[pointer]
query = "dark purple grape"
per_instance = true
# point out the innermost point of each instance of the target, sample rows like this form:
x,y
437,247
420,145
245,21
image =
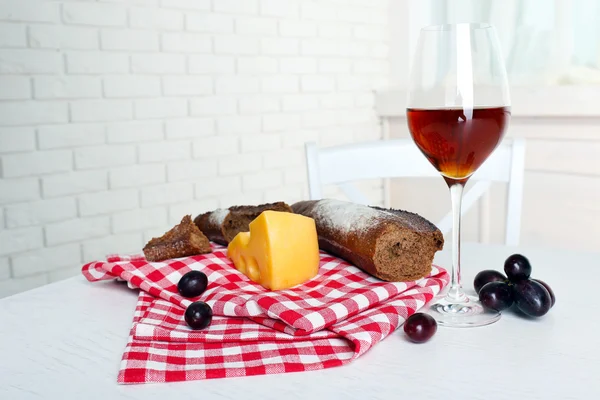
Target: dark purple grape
x,y
549,289
496,296
198,315
532,298
487,276
420,327
192,284
517,268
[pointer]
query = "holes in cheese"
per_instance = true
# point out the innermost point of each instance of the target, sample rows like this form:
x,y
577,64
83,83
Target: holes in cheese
x,y
280,251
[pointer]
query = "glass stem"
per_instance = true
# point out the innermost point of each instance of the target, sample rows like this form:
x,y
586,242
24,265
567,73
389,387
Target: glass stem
x,y
455,293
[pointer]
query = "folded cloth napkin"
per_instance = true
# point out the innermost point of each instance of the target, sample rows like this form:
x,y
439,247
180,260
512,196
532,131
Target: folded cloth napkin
x,y
328,321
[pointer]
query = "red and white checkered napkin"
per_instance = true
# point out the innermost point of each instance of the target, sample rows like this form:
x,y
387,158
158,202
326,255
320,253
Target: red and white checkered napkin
x,y
325,322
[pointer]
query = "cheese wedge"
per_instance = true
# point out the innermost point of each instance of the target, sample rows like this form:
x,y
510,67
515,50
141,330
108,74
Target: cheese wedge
x,y
280,251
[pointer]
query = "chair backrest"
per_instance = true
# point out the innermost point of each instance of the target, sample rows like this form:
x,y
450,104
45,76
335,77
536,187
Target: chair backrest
x,y
342,165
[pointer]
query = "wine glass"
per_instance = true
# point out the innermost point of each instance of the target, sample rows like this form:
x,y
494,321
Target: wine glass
x,y
458,111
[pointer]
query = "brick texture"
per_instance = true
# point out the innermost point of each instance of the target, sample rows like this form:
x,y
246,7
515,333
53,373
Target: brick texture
x,y
119,117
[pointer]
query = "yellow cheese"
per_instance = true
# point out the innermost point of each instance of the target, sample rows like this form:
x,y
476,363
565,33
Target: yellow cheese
x,y
280,251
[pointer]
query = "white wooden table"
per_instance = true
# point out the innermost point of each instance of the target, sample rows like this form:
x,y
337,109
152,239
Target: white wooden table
x,y
64,341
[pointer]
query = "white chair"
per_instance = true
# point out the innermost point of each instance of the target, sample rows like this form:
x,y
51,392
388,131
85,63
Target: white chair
x,y
401,158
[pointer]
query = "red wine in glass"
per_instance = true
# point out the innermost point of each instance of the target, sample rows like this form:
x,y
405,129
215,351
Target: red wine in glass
x,y
457,141
457,112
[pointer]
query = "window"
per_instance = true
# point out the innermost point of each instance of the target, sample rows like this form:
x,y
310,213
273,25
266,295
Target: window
x,y
545,42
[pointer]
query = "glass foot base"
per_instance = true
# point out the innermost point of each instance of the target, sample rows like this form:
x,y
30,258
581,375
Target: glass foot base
x,y
464,314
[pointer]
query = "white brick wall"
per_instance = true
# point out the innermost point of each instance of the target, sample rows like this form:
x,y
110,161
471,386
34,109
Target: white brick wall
x,y
21,61
108,202
119,39
76,230
166,194
132,86
139,219
185,43
104,156
136,175
134,131
36,163
156,19
94,14
63,37
40,212
73,183
26,112
17,240
46,260
101,110
14,88
95,249
71,87
195,127
96,63
16,139
29,10
119,117
13,35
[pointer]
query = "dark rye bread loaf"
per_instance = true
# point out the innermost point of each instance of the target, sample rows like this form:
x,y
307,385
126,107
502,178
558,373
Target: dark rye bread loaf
x,y
184,239
392,245
222,225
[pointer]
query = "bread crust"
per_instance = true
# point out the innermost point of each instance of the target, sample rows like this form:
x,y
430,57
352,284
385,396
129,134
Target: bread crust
x,y
213,231
221,225
392,245
184,239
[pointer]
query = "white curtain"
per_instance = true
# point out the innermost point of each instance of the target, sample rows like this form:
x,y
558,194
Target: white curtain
x,y
545,42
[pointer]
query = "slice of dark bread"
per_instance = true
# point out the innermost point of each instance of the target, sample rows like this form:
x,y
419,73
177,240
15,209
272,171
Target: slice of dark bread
x,y
184,239
392,245
222,225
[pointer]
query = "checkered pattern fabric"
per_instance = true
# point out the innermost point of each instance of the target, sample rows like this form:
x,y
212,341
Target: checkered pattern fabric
x,y
325,322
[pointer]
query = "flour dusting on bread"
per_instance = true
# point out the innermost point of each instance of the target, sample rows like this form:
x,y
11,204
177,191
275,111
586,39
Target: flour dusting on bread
x,y
344,216
393,245
218,216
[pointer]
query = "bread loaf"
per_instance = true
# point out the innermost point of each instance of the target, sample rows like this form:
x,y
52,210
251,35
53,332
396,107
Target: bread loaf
x,y
222,225
392,245
184,239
